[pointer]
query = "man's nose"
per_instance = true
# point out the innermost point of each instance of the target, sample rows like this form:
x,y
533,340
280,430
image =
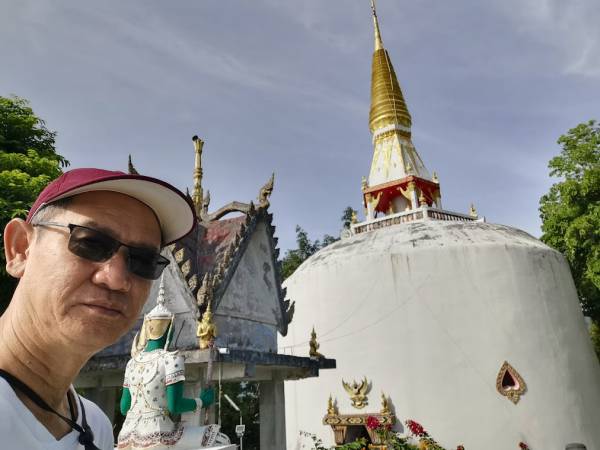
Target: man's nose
x,y
114,273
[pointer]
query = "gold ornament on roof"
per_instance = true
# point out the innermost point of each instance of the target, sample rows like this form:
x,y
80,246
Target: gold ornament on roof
x,y
197,196
385,405
509,383
266,191
435,178
358,392
314,345
472,211
331,407
207,330
363,183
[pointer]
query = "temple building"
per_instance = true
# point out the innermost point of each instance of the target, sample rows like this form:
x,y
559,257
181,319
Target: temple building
x,y
472,329
223,283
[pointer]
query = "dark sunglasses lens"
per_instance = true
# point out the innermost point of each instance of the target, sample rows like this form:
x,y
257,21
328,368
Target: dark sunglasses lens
x,y
92,245
146,263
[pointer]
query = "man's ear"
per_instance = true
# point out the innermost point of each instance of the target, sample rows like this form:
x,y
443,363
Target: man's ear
x,y
18,236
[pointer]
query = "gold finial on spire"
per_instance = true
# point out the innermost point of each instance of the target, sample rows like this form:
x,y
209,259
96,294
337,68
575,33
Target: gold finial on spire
x,y
198,197
387,102
378,41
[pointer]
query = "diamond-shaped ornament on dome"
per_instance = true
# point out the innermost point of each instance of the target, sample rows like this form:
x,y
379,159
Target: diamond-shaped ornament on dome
x,y
509,383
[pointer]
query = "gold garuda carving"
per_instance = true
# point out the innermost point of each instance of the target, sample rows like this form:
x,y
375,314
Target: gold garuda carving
x,y
358,392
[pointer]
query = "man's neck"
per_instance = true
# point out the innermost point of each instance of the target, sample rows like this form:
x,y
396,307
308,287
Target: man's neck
x,y
38,360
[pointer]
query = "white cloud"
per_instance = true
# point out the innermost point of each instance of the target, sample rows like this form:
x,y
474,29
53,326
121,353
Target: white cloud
x,y
569,26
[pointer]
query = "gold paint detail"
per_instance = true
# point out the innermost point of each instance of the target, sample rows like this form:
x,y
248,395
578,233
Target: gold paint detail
x,y
472,211
385,404
179,255
186,267
353,218
207,330
314,345
388,106
193,282
198,196
515,388
358,392
332,407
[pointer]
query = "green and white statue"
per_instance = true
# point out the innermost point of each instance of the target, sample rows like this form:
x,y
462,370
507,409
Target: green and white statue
x,y
153,392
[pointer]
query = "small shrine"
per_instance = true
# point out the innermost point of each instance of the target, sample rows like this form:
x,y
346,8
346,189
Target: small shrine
x,y
349,427
224,289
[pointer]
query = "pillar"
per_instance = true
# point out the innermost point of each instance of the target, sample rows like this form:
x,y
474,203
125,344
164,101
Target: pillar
x,y
272,415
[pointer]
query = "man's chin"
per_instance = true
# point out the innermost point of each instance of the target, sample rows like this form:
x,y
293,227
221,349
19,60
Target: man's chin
x,y
95,328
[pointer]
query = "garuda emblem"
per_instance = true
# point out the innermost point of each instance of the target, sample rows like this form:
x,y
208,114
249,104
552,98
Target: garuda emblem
x,y
358,392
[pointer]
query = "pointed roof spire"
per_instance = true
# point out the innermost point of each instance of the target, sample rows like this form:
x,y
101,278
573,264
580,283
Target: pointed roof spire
x,y
388,107
378,41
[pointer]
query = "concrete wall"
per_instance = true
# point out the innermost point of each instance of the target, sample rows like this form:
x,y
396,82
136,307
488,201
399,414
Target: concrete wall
x,y
429,312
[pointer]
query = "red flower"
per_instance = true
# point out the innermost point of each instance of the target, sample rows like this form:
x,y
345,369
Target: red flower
x,y
373,423
460,447
416,428
523,446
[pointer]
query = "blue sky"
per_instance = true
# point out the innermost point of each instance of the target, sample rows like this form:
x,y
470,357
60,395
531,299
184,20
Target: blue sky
x,y
283,86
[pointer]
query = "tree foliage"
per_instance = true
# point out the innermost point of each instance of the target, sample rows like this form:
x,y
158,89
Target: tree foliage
x,y
28,162
570,211
247,396
306,248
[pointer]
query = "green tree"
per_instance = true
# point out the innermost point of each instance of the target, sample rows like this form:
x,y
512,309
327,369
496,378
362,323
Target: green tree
x,y
246,395
28,162
306,248
570,211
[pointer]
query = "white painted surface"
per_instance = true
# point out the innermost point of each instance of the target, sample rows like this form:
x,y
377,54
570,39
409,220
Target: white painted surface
x,y
429,311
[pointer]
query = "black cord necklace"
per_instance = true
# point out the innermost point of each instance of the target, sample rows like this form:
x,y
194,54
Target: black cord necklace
x,y
86,436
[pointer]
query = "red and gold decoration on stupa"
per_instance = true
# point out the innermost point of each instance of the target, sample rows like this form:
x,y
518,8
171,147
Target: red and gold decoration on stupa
x,y
398,180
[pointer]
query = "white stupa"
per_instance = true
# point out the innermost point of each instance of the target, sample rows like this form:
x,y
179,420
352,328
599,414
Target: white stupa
x,y
472,329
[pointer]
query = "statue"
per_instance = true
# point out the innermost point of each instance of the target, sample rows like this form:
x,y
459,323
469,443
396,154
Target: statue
x,y
314,345
207,330
153,400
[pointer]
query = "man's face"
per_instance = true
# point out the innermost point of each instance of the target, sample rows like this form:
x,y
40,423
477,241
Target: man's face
x,y
85,302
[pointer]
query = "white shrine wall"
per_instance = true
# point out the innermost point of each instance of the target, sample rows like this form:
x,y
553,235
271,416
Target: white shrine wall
x,y
428,312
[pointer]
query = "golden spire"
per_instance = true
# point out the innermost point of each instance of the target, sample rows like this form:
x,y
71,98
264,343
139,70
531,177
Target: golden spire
x,y
378,41
197,197
387,102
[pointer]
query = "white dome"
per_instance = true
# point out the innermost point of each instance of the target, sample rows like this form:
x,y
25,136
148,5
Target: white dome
x,y
428,312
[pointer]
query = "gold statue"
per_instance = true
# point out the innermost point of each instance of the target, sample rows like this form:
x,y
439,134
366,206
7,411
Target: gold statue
x,y
358,392
207,330
314,345
354,218
472,211
331,408
385,405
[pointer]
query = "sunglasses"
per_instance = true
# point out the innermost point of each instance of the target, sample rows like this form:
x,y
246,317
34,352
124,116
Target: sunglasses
x,y
97,246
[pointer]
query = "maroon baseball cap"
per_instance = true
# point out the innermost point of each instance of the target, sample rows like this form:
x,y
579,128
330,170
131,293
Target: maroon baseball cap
x,y
174,210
